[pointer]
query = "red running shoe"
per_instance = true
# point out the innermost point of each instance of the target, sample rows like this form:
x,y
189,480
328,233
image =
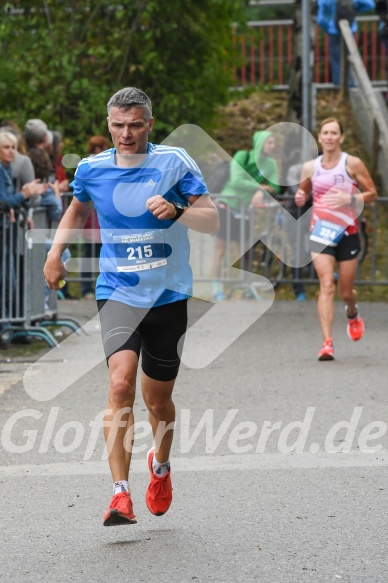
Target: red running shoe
x,y
327,350
120,511
356,328
159,492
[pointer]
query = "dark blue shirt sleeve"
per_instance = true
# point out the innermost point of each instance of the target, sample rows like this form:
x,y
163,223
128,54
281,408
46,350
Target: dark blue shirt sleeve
x,y
13,201
192,185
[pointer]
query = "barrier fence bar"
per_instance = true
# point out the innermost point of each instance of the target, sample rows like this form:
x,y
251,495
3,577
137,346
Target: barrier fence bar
x,y
265,227
27,306
86,247
12,272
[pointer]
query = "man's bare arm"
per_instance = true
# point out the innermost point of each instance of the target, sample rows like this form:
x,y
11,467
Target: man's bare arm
x,y
202,216
68,230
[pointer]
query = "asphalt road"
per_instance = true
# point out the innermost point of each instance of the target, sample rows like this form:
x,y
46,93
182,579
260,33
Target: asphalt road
x,y
279,462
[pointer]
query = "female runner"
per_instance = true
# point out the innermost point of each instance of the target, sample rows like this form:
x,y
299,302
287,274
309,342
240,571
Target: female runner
x,y
340,185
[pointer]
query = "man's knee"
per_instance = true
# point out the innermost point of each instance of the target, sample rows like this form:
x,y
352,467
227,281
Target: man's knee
x,y
159,408
121,390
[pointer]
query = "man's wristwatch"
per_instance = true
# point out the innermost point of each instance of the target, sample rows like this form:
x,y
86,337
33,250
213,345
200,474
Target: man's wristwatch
x,y
178,206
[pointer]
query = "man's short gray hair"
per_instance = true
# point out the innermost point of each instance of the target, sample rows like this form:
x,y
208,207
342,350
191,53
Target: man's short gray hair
x,y
35,132
129,97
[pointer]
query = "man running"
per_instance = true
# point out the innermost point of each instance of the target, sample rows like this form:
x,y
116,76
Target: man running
x,y
145,196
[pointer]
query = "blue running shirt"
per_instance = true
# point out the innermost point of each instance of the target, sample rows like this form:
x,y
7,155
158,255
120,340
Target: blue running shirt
x,y
144,261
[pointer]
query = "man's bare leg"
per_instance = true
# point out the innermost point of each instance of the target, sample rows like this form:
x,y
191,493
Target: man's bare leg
x,y
118,433
157,397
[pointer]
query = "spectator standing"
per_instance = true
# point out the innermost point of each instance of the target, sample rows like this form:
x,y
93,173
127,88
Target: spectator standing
x,y
91,233
51,199
56,162
330,12
249,171
22,173
21,166
11,201
37,135
97,144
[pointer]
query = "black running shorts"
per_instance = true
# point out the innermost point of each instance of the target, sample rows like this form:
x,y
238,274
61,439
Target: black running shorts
x,y
348,248
153,333
234,224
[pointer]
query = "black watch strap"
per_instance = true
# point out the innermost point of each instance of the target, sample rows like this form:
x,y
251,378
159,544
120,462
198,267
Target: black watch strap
x,y
179,209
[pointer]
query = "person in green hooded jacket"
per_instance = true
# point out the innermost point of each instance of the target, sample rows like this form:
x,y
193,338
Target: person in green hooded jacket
x,y
250,172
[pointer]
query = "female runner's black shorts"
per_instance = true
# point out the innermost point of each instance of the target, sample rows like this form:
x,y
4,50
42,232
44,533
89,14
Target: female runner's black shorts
x,y
348,248
153,332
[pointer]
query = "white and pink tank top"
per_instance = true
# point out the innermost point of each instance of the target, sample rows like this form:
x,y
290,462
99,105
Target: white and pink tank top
x,y
322,181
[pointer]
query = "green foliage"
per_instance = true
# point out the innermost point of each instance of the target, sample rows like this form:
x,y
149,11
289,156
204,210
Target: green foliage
x,y
267,12
61,61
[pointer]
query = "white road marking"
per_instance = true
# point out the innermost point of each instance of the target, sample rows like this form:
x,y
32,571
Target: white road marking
x,y
211,463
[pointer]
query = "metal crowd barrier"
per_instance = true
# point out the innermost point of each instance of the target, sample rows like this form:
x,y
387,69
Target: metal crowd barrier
x,y
12,270
266,233
245,230
259,228
85,248
27,307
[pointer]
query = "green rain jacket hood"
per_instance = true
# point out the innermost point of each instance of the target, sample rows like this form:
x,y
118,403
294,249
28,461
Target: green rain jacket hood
x,y
247,170
258,141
